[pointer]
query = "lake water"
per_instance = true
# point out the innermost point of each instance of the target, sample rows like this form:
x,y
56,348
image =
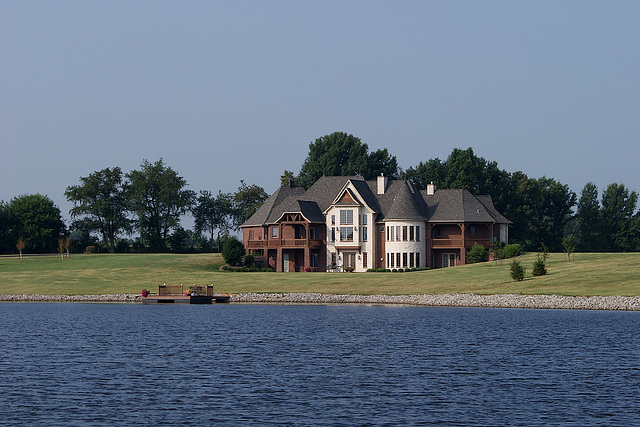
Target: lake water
x,y
98,364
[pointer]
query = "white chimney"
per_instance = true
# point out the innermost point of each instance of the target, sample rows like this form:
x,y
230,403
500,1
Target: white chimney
x,y
382,183
431,189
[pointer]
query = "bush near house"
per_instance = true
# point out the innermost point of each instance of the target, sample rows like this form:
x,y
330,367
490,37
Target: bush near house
x,y
477,253
512,250
233,251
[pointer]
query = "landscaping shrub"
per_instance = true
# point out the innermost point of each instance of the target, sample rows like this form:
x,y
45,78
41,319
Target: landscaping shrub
x,y
249,260
233,251
477,253
517,270
512,250
539,265
539,268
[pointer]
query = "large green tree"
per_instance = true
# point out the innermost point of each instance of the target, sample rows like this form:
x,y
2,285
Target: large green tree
x,y
539,208
101,200
462,169
588,220
158,197
37,220
246,202
213,213
340,154
619,223
7,237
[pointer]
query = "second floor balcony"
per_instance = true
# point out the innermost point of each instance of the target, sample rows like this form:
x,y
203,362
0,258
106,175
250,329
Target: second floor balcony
x,y
284,243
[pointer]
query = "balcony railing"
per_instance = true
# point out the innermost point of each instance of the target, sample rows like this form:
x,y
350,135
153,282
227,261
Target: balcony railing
x,y
283,243
457,242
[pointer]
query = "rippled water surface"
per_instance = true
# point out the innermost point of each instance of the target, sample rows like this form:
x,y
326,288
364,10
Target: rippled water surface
x,y
97,364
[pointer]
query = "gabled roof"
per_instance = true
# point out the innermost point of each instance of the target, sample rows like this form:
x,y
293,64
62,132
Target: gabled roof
x,y
307,208
400,201
269,208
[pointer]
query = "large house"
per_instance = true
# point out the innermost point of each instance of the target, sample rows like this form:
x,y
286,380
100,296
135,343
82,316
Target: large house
x,y
345,223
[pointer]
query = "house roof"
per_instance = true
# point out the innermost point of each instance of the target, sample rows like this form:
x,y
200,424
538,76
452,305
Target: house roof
x,y
271,207
400,201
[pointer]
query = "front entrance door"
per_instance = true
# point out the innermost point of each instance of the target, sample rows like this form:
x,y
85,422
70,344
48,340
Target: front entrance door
x,y
350,260
285,262
448,260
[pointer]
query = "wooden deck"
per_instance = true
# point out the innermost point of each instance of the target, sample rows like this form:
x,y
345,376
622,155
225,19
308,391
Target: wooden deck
x,y
186,299
174,294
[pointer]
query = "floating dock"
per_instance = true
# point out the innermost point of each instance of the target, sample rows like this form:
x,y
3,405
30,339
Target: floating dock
x,y
168,294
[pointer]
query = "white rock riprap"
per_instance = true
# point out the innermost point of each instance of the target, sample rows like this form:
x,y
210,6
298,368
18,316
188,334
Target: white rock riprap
x,y
71,298
448,300
452,300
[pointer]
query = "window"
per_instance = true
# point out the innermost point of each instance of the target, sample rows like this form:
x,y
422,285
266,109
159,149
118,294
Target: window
x,y
412,233
333,219
364,219
404,260
365,260
300,232
274,232
364,233
346,234
404,233
314,260
392,264
388,228
250,234
346,217
333,234
412,258
473,229
398,228
417,259
313,233
391,238
417,233
398,259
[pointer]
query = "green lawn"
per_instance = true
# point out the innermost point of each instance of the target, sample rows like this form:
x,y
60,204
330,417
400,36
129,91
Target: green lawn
x,y
587,274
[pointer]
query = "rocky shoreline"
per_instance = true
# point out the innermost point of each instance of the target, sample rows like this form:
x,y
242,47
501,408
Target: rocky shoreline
x,y
450,300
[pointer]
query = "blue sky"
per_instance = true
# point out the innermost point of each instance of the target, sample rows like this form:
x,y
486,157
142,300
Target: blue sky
x,y
231,90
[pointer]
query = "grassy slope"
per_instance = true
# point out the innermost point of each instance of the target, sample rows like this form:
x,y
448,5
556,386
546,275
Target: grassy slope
x,y
588,274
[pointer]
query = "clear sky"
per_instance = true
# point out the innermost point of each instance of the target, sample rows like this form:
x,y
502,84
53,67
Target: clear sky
x,y
231,90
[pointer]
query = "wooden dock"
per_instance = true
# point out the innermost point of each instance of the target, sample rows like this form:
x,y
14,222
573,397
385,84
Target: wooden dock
x,y
168,294
186,299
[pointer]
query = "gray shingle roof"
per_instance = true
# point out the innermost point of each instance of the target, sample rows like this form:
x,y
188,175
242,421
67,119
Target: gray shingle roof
x,y
269,208
401,201
404,204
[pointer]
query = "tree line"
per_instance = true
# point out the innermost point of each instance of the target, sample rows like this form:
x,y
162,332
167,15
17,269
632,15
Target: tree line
x,y
543,210
150,201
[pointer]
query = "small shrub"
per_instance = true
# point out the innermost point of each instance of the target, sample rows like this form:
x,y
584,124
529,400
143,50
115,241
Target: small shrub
x,y
249,260
477,253
539,267
512,250
517,270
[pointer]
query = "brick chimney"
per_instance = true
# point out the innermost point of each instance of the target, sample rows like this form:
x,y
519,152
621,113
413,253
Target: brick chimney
x,y
382,183
431,189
